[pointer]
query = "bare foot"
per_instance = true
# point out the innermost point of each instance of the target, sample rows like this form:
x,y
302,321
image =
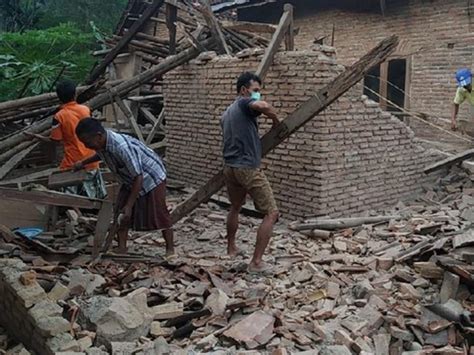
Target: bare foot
x,y
232,251
261,267
170,253
120,251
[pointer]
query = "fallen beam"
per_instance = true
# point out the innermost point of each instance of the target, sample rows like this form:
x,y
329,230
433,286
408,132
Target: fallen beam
x,y
50,198
66,178
15,160
276,41
165,66
136,27
455,159
304,113
340,223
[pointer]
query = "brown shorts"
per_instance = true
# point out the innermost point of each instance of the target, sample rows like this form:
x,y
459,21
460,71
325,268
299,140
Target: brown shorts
x,y
150,211
255,183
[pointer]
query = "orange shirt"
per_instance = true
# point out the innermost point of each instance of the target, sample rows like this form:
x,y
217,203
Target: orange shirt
x,y
64,129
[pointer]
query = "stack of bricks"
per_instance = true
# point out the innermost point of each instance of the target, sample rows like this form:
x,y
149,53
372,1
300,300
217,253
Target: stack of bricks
x,y
350,158
28,315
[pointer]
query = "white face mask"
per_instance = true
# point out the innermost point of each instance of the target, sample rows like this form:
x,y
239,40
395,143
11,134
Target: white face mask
x,y
256,96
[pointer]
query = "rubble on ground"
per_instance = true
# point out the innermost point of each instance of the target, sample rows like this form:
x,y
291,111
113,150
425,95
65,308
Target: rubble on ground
x,y
401,286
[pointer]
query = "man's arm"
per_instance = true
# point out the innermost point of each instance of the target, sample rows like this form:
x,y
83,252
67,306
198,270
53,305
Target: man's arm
x,y
454,115
81,164
40,137
266,109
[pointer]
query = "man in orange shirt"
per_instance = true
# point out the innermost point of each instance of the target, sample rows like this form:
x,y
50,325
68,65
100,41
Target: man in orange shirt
x,y
64,129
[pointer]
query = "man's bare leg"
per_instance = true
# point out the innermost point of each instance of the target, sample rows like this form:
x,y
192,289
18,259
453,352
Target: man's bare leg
x,y
237,198
264,234
169,241
122,240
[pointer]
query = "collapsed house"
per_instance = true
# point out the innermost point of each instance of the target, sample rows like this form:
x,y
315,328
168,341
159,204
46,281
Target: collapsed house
x,y
393,278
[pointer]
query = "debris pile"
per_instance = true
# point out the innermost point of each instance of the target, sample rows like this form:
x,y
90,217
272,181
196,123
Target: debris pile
x,y
401,283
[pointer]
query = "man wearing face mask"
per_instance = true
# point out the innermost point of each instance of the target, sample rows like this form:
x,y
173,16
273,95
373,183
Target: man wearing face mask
x,y
242,156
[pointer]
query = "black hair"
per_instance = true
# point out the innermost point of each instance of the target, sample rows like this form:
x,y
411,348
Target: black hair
x,y
89,126
66,91
245,79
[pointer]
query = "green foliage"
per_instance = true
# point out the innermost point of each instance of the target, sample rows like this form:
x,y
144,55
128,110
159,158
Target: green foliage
x,y
31,62
20,15
105,14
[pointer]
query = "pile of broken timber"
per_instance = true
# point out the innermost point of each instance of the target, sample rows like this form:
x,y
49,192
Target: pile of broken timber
x,y
198,31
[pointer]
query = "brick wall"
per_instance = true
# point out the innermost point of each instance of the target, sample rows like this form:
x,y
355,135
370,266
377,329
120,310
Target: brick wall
x,y
435,35
350,158
29,316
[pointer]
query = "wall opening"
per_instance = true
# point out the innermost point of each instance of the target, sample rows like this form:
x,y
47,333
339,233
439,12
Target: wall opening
x,y
388,81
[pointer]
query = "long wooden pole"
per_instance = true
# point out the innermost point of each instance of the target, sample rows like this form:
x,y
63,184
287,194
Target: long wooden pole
x,y
304,113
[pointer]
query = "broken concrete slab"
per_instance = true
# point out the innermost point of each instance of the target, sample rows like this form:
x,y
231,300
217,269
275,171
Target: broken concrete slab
x,y
217,302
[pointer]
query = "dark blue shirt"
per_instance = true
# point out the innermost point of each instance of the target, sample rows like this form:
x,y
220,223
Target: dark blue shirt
x,y
241,142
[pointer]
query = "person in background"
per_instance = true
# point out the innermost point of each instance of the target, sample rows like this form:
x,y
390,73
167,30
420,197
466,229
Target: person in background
x,y
63,130
242,152
463,93
141,201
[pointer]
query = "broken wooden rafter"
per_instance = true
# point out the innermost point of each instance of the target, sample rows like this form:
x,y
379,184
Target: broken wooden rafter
x,y
215,28
155,128
171,17
341,223
15,160
304,113
276,41
66,178
455,159
50,198
249,26
136,27
129,116
166,65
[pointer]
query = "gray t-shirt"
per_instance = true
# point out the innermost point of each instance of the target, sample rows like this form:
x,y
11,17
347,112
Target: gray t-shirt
x,y
241,143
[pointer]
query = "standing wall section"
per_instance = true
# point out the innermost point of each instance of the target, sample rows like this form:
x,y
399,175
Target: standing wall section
x,y
350,158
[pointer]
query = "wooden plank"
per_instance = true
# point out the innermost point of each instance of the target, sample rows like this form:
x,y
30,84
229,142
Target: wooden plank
x,y
102,226
171,17
155,128
383,80
50,198
340,223
290,34
215,28
15,160
66,178
249,26
276,41
148,115
15,214
30,177
304,113
136,27
455,159
129,116
158,70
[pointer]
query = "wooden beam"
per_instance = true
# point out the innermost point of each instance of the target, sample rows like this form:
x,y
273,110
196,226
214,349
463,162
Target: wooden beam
x,y
383,84
15,160
30,177
148,115
155,128
102,226
455,159
249,26
171,17
215,28
136,27
165,66
50,198
304,113
276,41
290,33
130,117
66,178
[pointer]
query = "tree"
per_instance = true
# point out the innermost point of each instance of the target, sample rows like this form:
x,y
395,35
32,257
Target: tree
x,y
20,15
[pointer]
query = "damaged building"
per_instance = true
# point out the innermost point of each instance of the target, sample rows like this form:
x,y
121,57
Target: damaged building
x,y
374,250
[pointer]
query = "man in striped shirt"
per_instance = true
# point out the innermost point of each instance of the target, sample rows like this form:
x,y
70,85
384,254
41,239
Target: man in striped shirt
x,y
141,202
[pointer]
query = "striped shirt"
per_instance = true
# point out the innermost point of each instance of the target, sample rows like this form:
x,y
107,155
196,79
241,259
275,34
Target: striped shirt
x,y
128,158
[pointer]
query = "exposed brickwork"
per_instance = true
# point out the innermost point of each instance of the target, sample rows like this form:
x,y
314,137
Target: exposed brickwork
x,y
436,35
348,159
28,315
